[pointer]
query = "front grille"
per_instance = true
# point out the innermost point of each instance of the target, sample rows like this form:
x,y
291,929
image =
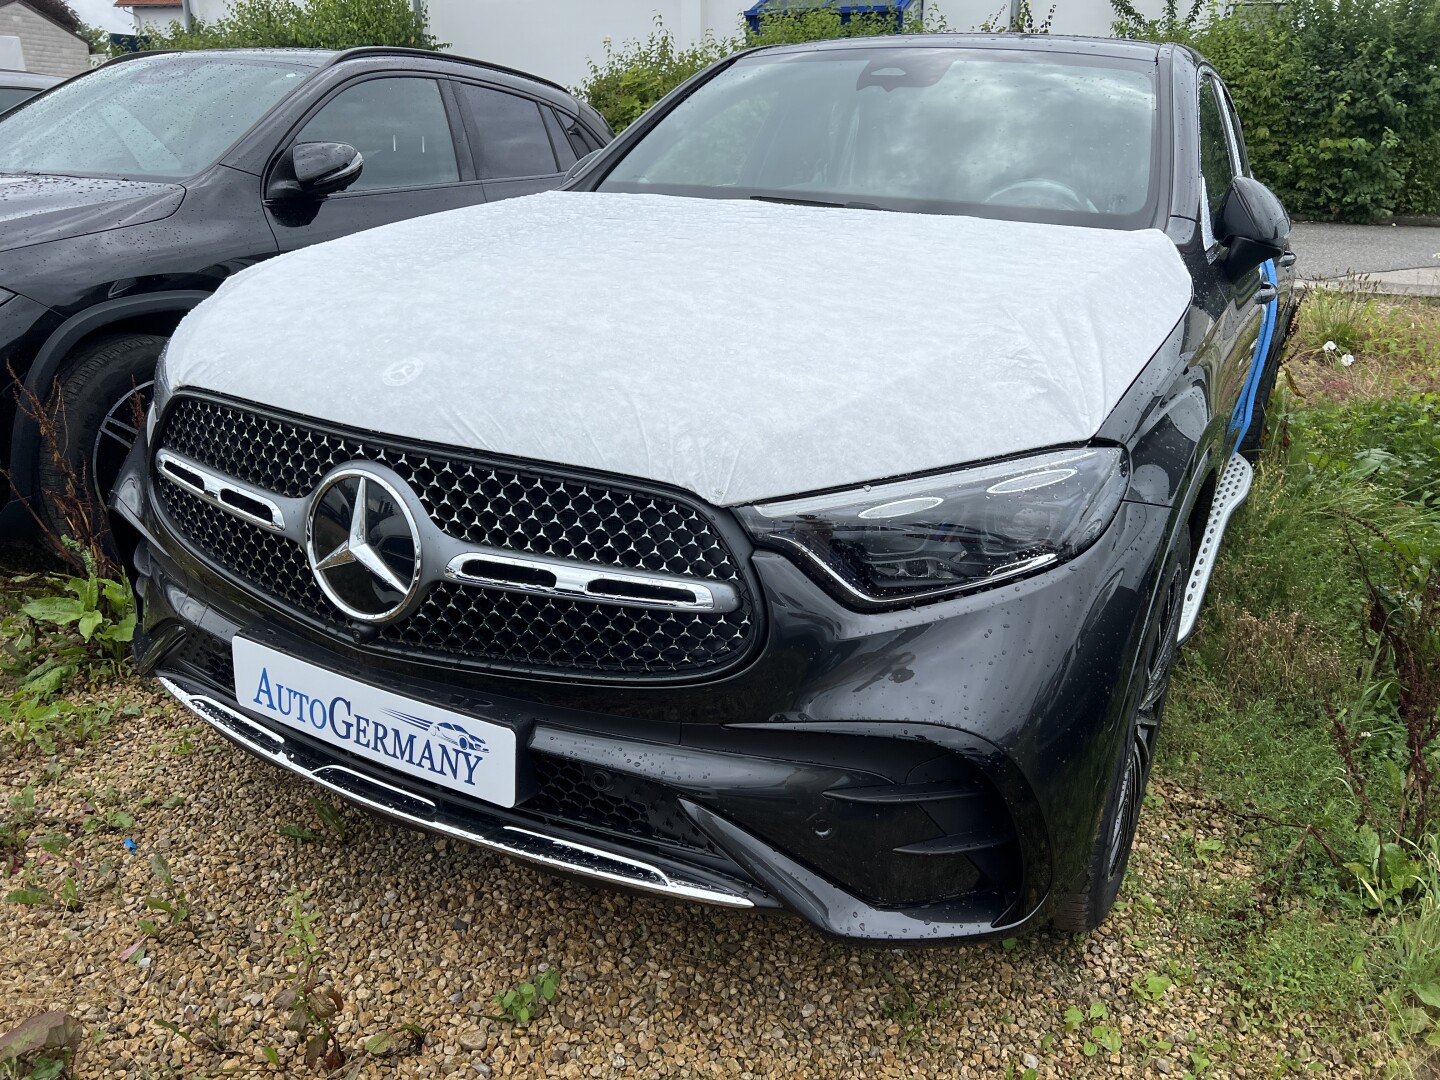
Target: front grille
x,y
578,794
484,503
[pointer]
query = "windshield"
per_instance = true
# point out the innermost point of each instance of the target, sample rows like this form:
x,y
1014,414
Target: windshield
x,y
159,117
1035,136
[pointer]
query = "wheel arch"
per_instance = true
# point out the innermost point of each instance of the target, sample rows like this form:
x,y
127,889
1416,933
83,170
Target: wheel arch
x,y
151,313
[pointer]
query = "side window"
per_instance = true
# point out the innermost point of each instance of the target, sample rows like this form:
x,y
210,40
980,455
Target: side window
x,y
579,135
399,125
509,132
1216,164
565,155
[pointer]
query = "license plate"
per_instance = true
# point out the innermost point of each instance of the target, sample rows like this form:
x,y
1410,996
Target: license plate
x,y
412,737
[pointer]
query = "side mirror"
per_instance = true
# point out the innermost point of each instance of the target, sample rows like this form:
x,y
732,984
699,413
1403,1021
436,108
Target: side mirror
x,y
580,166
314,170
1253,225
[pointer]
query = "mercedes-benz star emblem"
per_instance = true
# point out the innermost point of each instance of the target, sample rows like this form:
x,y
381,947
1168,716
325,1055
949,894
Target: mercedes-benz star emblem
x,y
363,545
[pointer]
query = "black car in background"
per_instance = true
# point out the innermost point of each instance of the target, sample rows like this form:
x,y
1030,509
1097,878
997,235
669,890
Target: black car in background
x,y
18,86
133,192
822,538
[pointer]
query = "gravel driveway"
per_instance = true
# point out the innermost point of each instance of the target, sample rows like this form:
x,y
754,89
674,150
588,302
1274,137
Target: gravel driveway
x,y
421,931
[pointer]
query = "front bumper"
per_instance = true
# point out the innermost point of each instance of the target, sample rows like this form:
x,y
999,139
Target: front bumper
x,y
907,776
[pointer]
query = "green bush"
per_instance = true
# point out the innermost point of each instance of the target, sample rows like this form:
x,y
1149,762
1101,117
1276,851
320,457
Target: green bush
x,y
314,24
1340,98
637,74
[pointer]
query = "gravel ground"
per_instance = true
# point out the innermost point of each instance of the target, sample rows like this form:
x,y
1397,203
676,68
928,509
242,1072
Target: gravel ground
x,y
421,931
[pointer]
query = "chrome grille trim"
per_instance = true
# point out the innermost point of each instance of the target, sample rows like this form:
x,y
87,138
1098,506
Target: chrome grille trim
x,y
587,581
213,487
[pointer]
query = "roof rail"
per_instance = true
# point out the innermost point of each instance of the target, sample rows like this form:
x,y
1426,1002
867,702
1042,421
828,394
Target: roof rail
x,y
397,50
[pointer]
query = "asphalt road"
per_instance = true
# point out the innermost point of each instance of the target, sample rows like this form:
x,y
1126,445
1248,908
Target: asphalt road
x,y
1329,251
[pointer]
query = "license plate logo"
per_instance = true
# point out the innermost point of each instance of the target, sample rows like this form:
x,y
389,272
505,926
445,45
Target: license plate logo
x,y
460,752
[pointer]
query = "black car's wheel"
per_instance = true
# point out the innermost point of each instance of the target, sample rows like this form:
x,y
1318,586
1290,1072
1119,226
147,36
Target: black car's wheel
x,y
92,418
1086,907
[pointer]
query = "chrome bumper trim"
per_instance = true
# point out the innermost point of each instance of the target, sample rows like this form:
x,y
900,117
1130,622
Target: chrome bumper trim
x,y
548,851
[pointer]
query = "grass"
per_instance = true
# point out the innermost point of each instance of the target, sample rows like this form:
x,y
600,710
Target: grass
x,y
1283,644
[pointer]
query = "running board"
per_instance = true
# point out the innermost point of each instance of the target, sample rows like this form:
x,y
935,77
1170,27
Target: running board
x,y
1233,488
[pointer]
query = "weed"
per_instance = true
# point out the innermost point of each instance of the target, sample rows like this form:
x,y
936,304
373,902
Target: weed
x,y
1343,315
391,1043
209,1037
525,1001
102,610
173,904
42,1047
1152,987
312,1004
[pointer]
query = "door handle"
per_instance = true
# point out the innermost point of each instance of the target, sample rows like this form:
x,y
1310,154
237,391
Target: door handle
x,y
1288,259
1266,293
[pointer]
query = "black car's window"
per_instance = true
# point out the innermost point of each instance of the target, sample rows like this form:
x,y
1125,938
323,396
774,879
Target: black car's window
x,y
581,141
1217,165
945,130
564,153
398,124
509,131
156,117
10,96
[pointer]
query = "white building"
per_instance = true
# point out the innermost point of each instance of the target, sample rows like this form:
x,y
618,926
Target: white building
x,y
40,44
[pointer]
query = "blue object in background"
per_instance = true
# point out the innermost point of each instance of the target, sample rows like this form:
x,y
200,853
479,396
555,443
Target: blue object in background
x,y
899,10
130,845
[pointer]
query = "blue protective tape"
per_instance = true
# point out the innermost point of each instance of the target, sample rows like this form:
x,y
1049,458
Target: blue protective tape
x,y
1244,412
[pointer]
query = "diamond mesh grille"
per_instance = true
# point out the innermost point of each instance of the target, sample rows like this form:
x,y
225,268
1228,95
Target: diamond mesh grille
x,y
480,503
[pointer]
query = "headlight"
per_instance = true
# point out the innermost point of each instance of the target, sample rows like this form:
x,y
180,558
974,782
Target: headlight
x,y
895,544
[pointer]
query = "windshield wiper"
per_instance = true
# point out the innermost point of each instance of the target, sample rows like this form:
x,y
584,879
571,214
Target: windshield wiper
x,y
818,202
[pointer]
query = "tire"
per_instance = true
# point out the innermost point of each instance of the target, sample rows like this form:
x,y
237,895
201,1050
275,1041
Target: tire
x,y
92,415
1085,908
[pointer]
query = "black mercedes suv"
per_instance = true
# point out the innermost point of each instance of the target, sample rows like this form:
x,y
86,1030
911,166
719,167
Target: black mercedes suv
x,y
801,509
131,193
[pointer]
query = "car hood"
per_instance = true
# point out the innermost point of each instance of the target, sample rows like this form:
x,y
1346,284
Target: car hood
x,y
740,350
34,209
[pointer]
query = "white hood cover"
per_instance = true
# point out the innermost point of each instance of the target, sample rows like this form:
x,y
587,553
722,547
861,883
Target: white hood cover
x,y
740,350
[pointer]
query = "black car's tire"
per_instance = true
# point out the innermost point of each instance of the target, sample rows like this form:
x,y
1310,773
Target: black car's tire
x,y
1085,908
91,415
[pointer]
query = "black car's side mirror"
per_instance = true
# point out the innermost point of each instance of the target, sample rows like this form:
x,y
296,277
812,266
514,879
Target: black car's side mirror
x,y
1253,225
314,170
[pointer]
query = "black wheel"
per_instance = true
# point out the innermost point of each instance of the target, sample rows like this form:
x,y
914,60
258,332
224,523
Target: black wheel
x,y
1085,908
95,412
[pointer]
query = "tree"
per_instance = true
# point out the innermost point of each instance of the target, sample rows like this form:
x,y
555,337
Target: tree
x,y
315,24
58,11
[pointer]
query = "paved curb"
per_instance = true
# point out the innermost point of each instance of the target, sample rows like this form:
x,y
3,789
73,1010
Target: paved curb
x,y
1423,281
